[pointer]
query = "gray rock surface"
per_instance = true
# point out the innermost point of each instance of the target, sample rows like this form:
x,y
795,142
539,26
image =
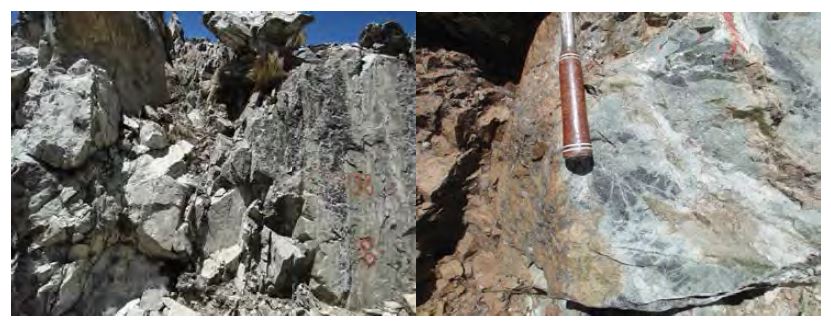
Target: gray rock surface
x,y
130,200
153,302
676,214
224,222
349,147
156,201
119,274
128,45
156,207
152,135
67,116
283,264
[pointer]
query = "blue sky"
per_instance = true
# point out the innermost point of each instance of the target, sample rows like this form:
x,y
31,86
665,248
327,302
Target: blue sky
x,y
328,27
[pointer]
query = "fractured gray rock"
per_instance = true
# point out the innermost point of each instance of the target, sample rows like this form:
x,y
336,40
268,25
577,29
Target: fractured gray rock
x,y
283,264
347,157
171,164
156,203
160,306
120,274
330,283
224,222
237,167
282,211
152,135
128,45
58,221
157,206
67,116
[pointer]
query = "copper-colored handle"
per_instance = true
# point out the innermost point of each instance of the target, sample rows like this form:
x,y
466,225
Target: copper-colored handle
x,y
576,140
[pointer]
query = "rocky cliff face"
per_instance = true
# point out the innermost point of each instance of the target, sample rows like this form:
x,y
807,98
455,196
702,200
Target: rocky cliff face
x,y
704,197
161,179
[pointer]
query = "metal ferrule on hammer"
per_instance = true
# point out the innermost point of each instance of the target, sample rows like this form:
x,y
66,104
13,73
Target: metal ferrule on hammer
x,y
576,140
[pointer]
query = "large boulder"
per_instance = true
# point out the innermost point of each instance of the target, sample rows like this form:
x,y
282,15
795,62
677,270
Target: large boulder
x,y
156,201
387,38
251,30
152,135
224,222
67,116
283,264
156,208
706,181
130,46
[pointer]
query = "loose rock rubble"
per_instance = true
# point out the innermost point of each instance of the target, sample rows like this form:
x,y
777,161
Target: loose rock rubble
x,y
163,179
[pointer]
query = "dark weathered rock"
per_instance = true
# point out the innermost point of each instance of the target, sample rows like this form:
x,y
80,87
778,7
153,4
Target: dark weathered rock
x,y
251,30
497,40
387,38
120,275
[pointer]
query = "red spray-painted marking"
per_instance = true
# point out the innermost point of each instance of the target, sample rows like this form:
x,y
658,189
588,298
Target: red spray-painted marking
x,y
361,184
365,245
735,38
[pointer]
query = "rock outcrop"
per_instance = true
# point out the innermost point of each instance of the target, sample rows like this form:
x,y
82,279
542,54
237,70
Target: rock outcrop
x,y
66,116
704,196
329,164
136,191
130,46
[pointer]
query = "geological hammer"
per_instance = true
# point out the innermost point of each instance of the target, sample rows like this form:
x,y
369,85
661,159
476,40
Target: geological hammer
x,y
577,145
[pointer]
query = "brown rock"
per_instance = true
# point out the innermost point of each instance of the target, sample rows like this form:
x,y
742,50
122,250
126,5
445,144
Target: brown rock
x,y
538,152
451,269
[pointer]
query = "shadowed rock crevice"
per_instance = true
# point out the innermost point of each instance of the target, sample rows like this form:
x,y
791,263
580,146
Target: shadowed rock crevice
x,y
497,41
455,132
754,292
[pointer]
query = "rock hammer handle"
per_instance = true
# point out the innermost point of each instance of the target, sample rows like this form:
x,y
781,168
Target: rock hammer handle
x,y
576,140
